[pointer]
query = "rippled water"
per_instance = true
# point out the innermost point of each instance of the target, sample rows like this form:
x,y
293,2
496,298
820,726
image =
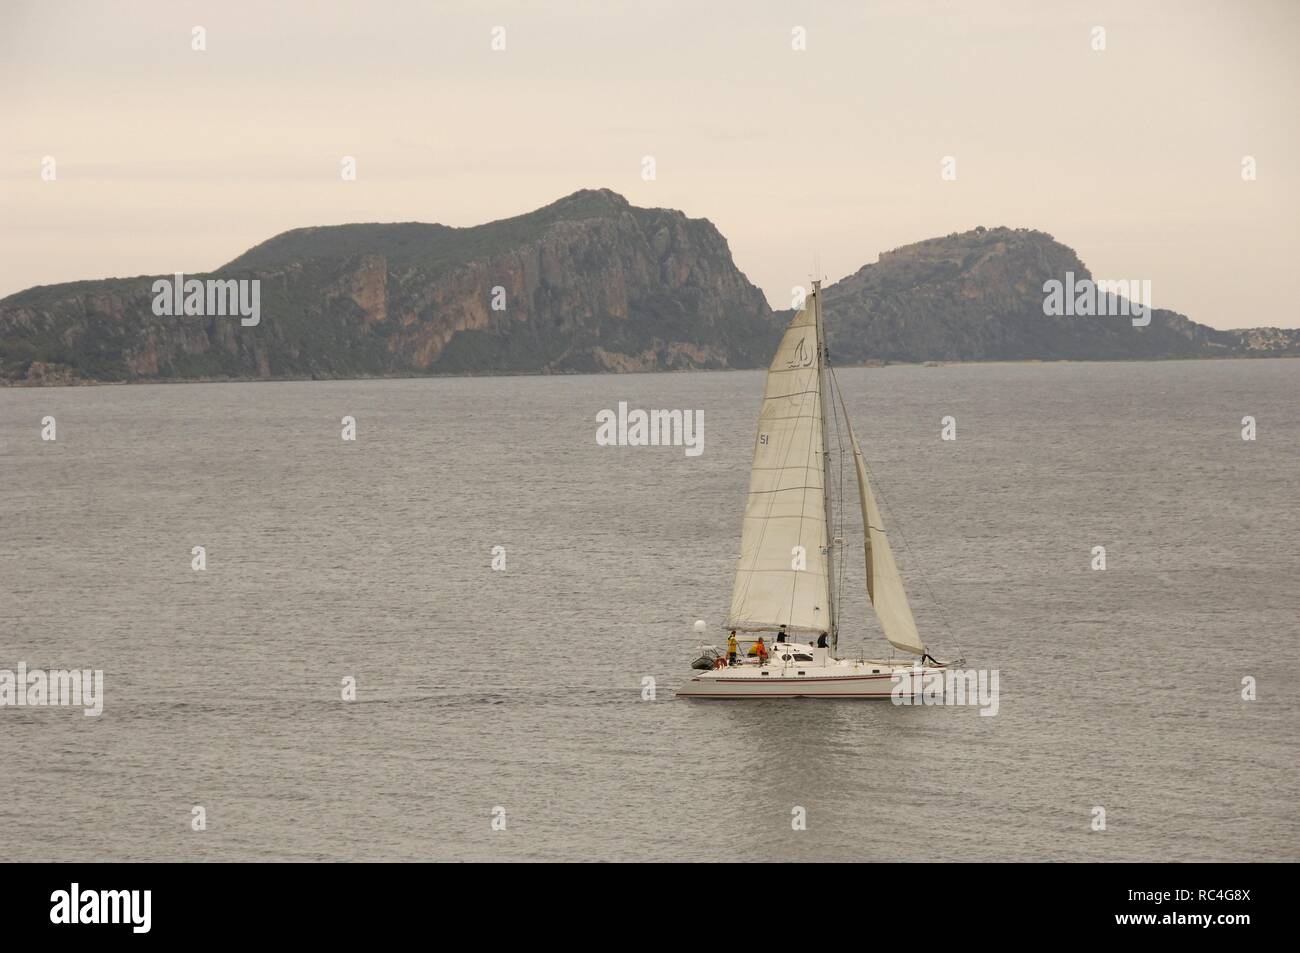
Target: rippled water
x,y
521,689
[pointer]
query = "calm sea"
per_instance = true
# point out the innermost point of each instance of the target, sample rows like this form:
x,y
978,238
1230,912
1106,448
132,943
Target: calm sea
x,y
522,689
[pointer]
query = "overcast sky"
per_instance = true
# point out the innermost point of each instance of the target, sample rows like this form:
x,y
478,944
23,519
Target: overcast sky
x,y
171,159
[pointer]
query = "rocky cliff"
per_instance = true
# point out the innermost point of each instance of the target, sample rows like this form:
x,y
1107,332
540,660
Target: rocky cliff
x,y
589,283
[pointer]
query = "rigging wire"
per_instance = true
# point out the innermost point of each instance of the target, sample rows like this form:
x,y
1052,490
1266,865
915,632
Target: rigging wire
x,y
838,530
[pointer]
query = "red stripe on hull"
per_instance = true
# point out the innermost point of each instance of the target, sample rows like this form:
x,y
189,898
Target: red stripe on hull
x,y
817,678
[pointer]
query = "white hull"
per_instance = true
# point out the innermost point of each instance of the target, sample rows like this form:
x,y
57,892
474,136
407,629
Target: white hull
x,y
824,677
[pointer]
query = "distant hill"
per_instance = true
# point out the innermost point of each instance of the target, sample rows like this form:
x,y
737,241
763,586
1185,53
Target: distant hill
x,y
978,296
589,283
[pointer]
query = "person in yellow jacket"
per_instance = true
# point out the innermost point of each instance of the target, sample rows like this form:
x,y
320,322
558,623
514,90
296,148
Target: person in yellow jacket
x,y
732,648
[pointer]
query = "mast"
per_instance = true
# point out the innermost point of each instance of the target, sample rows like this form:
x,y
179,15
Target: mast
x,y
823,386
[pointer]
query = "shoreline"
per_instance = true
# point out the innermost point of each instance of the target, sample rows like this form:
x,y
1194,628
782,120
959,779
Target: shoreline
x,y
875,365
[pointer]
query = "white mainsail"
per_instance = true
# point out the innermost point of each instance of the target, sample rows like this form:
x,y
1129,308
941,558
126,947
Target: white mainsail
x,y
884,585
783,576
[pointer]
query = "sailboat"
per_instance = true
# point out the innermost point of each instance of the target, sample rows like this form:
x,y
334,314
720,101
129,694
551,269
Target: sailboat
x,y
789,575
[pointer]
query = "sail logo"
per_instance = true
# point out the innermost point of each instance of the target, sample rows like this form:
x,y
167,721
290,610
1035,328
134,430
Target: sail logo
x,y
962,687
651,428
214,298
130,907
58,688
1102,298
802,356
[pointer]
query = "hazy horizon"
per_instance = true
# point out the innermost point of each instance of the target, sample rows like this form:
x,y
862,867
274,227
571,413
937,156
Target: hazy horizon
x,y
174,159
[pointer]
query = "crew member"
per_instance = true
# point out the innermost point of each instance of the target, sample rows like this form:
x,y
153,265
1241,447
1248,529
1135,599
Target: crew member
x,y
731,648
